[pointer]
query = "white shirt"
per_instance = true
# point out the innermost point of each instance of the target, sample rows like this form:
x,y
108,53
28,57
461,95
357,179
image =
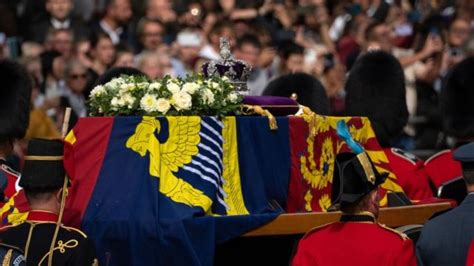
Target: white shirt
x,y
113,34
60,24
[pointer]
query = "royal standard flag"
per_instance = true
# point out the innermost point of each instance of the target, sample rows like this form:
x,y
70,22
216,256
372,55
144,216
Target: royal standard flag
x,y
314,146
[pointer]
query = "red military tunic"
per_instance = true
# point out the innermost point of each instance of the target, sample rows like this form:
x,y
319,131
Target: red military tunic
x,y
441,167
410,173
355,240
470,255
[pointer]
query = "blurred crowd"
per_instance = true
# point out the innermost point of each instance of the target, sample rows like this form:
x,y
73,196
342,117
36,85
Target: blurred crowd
x,y
67,44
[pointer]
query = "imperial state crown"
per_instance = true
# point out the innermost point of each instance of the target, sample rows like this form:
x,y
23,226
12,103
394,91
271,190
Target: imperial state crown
x,y
237,71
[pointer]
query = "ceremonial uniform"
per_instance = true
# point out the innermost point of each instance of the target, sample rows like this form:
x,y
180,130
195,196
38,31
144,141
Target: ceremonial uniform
x,y
410,172
15,93
457,98
376,88
10,255
355,240
445,239
41,236
441,168
72,246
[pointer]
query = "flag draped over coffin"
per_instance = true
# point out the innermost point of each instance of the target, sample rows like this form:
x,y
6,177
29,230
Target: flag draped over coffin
x,y
164,191
314,146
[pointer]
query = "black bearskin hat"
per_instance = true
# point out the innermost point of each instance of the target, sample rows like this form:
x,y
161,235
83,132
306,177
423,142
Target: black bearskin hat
x,y
458,100
376,88
309,90
15,94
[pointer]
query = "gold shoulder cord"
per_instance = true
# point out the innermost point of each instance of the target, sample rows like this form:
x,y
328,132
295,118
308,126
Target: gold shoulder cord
x,y
28,240
67,115
8,258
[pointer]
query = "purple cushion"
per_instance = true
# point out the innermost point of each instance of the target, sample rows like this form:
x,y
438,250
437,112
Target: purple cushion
x,y
278,106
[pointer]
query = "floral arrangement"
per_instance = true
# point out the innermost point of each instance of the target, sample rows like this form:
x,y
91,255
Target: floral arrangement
x,y
192,95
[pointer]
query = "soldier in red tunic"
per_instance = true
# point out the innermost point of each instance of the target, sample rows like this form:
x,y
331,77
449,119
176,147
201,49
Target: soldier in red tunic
x,y
376,89
15,93
458,117
357,239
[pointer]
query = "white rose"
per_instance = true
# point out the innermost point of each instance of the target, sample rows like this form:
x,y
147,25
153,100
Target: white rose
x,y
97,91
114,83
149,103
215,85
142,85
208,96
190,87
163,105
173,87
127,87
117,103
154,86
128,100
181,100
233,97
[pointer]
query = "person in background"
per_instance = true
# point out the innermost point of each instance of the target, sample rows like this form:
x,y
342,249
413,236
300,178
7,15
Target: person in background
x,y
457,39
15,96
103,53
248,49
219,30
458,35
124,58
60,18
62,42
82,49
76,82
149,63
52,68
333,79
42,179
376,88
445,239
41,125
291,58
458,115
357,239
189,43
162,10
115,20
150,34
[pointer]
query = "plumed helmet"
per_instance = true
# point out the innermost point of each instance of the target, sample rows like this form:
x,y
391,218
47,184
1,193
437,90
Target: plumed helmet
x,y
15,94
354,177
376,88
457,100
310,92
